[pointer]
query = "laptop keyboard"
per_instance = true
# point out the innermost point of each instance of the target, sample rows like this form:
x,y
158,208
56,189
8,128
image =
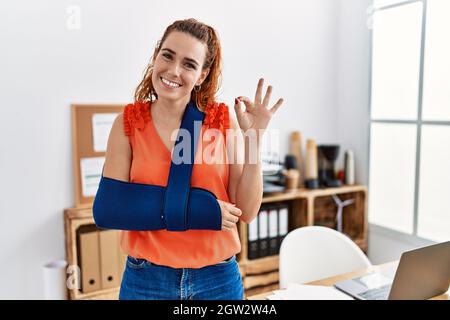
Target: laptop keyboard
x,y
380,293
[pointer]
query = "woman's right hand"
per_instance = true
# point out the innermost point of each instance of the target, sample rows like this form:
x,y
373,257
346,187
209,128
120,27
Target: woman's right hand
x,y
230,215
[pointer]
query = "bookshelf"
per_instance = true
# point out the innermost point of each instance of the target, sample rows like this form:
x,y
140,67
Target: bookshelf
x,y
76,220
306,207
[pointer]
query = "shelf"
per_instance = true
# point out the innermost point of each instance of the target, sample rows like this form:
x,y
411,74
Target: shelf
x,y
75,220
280,197
306,193
260,289
108,294
306,208
260,265
265,279
362,243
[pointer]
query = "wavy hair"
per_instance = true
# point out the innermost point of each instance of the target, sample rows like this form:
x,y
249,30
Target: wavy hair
x,y
207,35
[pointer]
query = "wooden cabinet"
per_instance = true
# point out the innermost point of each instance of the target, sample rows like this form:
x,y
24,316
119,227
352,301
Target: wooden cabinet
x,y
306,208
79,222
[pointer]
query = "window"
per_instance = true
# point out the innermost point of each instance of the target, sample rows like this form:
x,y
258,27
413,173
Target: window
x,y
384,3
392,159
436,89
409,171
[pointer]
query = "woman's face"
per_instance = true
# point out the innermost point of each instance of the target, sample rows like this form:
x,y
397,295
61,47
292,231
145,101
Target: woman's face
x,y
178,66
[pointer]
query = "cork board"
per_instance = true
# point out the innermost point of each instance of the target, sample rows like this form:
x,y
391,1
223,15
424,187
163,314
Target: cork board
x,y
88,133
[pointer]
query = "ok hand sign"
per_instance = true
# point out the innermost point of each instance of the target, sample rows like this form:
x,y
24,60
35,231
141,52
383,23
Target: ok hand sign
x,y
257,114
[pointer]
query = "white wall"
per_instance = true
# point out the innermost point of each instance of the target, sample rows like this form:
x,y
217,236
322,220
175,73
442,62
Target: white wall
x,y
45,67
387,245
353,69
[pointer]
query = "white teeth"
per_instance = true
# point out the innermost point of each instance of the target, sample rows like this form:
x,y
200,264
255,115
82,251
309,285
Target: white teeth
x,y
170,83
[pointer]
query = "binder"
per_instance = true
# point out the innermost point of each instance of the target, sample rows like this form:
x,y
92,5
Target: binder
x,y
273,231
263,233
90,261
283,215
252,239
109,258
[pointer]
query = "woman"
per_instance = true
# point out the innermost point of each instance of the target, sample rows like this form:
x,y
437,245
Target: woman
x,y
192,264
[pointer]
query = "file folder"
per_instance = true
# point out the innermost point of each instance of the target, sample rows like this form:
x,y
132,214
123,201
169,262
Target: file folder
x,y
109,258
273,231
263,233
283,215
90,261
252,239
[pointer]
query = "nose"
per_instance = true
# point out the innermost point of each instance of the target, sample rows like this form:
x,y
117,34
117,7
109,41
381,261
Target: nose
x,y
175,70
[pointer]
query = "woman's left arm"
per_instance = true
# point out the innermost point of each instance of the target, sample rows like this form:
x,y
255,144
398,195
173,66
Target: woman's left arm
x,y
245,187
245,179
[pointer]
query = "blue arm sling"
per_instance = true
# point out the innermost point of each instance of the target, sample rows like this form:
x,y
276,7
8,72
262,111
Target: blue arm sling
x,y
177,207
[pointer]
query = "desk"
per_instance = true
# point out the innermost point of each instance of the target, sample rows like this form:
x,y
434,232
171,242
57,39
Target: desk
x,y
332,280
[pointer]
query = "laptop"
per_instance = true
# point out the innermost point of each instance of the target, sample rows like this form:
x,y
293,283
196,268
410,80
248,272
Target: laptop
x,y
421,274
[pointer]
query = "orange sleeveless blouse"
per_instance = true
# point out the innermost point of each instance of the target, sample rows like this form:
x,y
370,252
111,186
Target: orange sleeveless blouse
x,y
151,164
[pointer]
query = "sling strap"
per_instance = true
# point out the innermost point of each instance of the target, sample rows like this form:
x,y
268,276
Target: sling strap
x,y
176,207
179,182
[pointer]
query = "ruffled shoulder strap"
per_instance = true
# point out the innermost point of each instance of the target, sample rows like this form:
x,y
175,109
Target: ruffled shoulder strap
x,y
135,116
217,116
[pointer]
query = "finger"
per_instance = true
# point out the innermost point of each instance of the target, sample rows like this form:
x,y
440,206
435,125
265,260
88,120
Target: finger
x,y
237,107
277,105
232,209
259,90
267,96
248,103
232,213
227,226
229,205
235,211
231,218
229,223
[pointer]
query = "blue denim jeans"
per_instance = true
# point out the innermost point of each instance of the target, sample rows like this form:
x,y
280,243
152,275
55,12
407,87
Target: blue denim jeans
x,y
144,280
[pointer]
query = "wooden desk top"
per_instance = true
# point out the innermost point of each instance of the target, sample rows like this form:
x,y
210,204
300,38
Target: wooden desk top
x,y
332,280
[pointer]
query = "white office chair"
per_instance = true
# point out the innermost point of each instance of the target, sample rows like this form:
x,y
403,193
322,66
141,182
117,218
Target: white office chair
x,y
313,253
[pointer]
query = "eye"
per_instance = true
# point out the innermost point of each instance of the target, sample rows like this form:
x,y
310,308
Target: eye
x,y
190,65
166,55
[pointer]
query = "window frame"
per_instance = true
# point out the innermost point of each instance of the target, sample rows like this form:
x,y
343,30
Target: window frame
x,y
419,122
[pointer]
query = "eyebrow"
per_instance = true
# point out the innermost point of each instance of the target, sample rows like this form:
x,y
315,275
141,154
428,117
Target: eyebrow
x,y
174,53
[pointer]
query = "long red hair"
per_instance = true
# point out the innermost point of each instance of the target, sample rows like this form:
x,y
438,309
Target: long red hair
x,y
206,34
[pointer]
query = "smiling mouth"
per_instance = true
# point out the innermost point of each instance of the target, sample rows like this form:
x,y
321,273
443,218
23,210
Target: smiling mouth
x,y
169,83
